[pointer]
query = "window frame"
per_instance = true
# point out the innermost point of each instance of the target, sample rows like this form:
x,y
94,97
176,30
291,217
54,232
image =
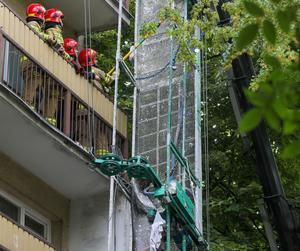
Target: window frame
x,y
25,210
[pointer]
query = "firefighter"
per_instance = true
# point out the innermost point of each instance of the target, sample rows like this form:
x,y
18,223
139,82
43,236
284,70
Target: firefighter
x,y
53,28
31,75
35,19
70,46
87,59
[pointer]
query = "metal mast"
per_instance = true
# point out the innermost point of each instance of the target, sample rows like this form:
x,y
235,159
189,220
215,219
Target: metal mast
x,y
114,134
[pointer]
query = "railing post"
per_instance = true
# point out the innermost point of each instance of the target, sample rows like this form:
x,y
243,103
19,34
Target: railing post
x,y
67,113
2,47
125,149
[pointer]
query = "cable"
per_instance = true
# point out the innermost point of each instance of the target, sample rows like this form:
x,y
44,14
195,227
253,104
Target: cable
x,y
88,71
158,72
93,132
206,141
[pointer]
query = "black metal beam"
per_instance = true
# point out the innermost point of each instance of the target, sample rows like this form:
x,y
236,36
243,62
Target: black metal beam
x,y
284,216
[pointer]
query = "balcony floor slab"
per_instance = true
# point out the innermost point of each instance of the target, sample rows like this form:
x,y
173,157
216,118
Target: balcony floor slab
x,y
44,151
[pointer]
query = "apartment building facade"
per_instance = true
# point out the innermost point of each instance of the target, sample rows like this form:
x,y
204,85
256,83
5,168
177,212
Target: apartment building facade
x,y
50,196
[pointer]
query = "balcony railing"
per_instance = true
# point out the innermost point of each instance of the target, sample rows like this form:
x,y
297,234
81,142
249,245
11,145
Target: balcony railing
x,y
14,237
49,86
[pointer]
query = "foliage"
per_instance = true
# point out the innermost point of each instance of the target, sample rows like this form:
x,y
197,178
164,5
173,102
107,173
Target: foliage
x,y
105,43
268,30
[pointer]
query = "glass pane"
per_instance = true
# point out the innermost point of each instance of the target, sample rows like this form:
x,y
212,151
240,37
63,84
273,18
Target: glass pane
x,y
35,226
13,71
9,209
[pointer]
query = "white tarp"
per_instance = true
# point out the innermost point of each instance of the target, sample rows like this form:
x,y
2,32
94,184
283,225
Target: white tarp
x,y
156,232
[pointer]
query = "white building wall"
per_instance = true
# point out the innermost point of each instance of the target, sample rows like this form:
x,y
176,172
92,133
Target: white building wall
x,y
89,223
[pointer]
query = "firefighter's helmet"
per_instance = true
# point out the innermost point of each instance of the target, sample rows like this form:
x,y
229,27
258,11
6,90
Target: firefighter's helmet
x,y
35,10
70,46
54,16
87,57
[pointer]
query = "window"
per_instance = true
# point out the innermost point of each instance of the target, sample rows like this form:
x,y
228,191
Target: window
x,y
35,225
9,209
24,216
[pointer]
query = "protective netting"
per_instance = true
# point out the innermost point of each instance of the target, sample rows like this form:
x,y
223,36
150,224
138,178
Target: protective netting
x,y
152,121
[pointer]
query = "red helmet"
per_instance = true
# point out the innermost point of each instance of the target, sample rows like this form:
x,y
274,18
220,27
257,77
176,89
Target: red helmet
x,y
36,10
54,15
70,46
87,57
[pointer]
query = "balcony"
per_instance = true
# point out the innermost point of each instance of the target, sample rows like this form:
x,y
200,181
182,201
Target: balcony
x,y
75,99
15,237
52,120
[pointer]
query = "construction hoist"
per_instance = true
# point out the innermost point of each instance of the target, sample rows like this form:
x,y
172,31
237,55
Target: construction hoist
x,y
182,207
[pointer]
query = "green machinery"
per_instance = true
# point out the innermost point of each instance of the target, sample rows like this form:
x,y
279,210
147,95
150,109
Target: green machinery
x,y
181,206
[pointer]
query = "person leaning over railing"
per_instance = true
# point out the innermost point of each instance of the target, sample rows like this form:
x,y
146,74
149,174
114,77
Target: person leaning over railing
x,y
70,46
53,28
87,59
32,77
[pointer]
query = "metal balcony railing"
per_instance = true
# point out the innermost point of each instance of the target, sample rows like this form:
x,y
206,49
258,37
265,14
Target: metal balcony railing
x,y
16,237
50,87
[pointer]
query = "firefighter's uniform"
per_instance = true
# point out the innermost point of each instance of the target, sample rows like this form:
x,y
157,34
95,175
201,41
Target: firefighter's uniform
x,y
53,29
32,75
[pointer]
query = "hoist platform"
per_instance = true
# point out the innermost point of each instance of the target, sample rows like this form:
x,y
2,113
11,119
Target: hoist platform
x,y
182,207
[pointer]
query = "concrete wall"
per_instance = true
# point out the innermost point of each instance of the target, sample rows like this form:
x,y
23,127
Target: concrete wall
x,y
89,223
18,6
19,183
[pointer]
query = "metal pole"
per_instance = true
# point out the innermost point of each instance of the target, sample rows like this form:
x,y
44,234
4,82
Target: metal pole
x,y
114,135
134,121
169,133
198,146
184,82
135,92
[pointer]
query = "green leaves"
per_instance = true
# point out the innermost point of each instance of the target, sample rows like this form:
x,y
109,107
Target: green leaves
x,y
292,150
148,29
272,119
286,17
250,120
272,61
246,36
275,1
269,31
254,9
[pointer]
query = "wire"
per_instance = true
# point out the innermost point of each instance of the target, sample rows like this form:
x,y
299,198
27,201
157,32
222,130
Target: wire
x,y
206,140
158,72
88,71
93,131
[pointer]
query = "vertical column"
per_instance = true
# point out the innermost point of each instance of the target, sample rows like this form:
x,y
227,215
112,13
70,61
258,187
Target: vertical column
x,y
198,147
67,113
2,47
184,83
111,218
125,149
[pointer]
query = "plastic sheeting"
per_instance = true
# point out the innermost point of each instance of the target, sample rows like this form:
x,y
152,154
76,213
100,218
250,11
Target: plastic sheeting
x,y
156,232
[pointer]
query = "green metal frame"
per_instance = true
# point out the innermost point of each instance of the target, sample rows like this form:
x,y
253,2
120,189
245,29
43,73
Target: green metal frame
x,y
181,207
